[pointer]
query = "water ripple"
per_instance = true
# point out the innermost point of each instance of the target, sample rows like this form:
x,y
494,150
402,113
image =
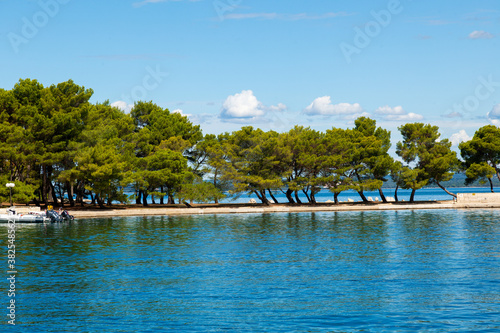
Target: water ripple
x,y
394,271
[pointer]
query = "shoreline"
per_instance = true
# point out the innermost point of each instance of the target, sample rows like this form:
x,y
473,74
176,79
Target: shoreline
x,y
273,208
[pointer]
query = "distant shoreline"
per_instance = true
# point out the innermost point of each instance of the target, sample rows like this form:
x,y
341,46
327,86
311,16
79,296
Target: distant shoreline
x,y
200,209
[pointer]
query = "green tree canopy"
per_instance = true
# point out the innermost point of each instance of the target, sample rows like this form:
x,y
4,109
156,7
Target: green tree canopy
x,y
430,158
371,160
482,155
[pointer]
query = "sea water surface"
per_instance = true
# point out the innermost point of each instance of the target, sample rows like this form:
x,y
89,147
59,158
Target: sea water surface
x,y
390,271
425,194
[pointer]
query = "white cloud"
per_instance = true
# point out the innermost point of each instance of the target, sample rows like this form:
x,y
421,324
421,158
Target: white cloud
x,y
203,118
461,136
397,113
494,115
495,112
405,117
242,105
266,16
179,111
290,17
244,108
454,114
387,110
323,106
278,108
480,34
122,106
352,117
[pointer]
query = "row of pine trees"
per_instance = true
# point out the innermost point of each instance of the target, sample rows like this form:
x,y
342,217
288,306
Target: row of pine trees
x,y
55,144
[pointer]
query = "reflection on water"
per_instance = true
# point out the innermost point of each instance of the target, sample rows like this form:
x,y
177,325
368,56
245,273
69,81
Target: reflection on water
x,y
336,271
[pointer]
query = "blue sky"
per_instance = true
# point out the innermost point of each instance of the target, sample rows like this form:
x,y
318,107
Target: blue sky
x,y
269,64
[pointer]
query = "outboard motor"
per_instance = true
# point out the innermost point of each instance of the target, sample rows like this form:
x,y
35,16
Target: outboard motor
x,y
53,216
65,215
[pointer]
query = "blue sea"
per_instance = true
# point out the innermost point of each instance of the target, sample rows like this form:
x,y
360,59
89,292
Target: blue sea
x,y
425,194
388,271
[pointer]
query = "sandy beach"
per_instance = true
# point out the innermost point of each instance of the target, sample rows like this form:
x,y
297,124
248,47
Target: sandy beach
x,y
275,208
463,201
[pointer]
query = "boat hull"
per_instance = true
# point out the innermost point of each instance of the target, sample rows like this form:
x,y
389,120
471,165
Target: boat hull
x,y
23,219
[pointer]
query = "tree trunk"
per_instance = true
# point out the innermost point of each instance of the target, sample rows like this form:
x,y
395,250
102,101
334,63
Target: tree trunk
x,y
215,185
313,197
153,199
307,195
50,187
53,193
288,195
297,197
412,195
69,189
362,195
382,196
170,198
396,193
442,187
138,197
44,185
336,197
79,192
99,201
215,177
272,196
161,198
262,196
491,185
265,200
145,198
60,192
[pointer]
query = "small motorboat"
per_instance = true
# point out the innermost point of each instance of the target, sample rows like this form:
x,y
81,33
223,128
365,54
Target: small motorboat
x,y
31,217
35,217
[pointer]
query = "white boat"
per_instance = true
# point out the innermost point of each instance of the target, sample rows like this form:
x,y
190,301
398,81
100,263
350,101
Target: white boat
x,y
34,217
31,217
